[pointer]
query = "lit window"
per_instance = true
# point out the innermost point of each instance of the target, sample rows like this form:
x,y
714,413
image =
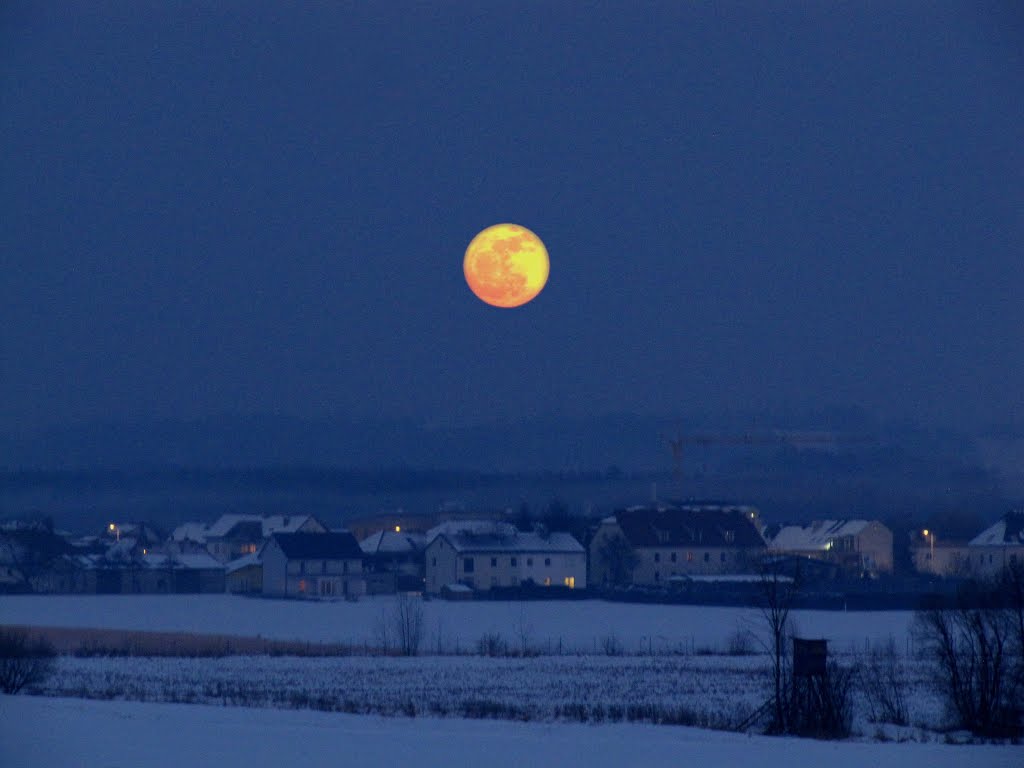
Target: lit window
x,y
547,581
689,557
570,582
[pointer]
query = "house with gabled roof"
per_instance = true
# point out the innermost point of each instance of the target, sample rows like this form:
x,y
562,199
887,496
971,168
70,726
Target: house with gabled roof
x,y
651,545
485,554
393,561
859,547
232,536
999,546
325,565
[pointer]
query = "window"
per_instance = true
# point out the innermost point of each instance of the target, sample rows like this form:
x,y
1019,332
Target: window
x,y
657,576
927,555
302,585
657,557
673,558
302,566
433,561
730,537
570,582
467,565
323,567
514,562
547,581
722,557
689,557
494,562
547,561
529,562
707,557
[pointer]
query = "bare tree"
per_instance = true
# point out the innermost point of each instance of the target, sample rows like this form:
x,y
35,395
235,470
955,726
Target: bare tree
x,y
23,663
884,686
778,593
408,624
618,560
975,646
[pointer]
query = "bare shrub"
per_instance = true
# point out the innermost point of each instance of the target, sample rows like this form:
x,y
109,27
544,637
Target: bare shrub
x,y
492,644
408,624
741,643
612,645
975,649
884,687
822,707
23,662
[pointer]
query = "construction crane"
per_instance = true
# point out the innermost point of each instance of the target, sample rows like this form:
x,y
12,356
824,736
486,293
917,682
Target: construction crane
x,y
678,443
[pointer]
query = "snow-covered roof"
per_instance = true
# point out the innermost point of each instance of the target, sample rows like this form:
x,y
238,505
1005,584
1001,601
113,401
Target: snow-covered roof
x,y
268,525
1008,532
477,527
815,536
200,561
393,543
190,532
283,524
253,558
223,525
490,536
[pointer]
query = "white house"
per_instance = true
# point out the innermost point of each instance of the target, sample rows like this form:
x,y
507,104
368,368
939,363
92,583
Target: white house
x,y
312,565
999,546
858,546
485,554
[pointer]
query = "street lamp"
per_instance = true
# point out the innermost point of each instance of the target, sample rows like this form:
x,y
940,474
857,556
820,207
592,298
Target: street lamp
x,y
930,535
115,530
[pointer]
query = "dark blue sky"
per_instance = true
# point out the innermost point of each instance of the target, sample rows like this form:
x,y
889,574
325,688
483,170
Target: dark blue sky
x,y
262,208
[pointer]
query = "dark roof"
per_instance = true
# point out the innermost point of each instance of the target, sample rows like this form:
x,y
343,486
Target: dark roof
x,y
319,546
681,527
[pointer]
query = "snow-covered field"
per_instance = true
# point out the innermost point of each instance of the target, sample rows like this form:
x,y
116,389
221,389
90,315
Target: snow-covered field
x,y
74,733
710,691
451,626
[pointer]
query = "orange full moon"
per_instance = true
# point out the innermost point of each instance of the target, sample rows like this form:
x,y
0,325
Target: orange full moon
x,y
506,265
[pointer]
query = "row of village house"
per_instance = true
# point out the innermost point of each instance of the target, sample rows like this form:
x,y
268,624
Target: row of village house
x,y
653,546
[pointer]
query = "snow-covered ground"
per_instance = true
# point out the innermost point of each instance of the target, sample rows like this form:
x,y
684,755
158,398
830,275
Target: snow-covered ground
x,y
451,626
53,732
710,691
